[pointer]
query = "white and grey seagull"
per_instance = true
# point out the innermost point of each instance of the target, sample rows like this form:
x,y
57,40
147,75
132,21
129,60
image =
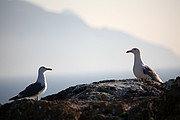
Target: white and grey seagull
x,y
141,70
35,89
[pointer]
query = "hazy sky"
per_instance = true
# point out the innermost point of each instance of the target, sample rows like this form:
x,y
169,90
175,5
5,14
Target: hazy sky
x,y
157,21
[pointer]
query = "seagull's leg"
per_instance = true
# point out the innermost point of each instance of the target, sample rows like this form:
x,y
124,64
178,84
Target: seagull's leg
x,y
36,98
141,79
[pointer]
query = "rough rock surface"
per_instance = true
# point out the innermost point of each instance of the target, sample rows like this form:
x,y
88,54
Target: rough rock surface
x,y
110,90
131,99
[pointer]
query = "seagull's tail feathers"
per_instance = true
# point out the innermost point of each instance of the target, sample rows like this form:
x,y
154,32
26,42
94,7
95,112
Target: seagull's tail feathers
x,y
159,79
15,98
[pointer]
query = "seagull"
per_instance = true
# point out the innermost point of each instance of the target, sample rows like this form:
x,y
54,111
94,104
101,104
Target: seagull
x,y
35,89
141,70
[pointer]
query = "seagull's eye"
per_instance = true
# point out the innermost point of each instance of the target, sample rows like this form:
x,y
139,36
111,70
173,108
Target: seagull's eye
x,y
135,49
43,67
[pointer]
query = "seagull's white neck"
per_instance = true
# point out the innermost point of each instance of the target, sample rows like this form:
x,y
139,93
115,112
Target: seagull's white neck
x,y
137,59
41,78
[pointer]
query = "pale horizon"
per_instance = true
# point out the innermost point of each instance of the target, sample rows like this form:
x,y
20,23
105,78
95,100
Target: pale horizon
x,y
86,43
43,34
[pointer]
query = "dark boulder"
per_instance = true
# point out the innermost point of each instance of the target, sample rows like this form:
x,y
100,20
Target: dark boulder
x,y
131,99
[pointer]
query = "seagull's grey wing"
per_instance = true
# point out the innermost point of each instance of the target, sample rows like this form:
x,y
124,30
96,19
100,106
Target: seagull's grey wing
x,y
31,90
148,71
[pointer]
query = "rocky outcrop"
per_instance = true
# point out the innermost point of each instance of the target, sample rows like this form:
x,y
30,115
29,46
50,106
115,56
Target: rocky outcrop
x,y
131,99
170,101
111,90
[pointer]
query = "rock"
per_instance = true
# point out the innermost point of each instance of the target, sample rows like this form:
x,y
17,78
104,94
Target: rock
x,y
131,99
110,90
170,103
171,83
30,109
164,107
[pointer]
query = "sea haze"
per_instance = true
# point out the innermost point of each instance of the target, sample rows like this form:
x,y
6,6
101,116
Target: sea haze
x,y
12,86
77,53
31,36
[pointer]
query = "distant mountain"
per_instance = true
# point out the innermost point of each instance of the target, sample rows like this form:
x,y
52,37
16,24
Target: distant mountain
x,y
31,36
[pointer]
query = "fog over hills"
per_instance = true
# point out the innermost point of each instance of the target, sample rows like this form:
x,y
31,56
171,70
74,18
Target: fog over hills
x,y
31,36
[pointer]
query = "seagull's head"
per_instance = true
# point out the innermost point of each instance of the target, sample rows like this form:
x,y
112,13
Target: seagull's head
x,y
134,51
43,69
